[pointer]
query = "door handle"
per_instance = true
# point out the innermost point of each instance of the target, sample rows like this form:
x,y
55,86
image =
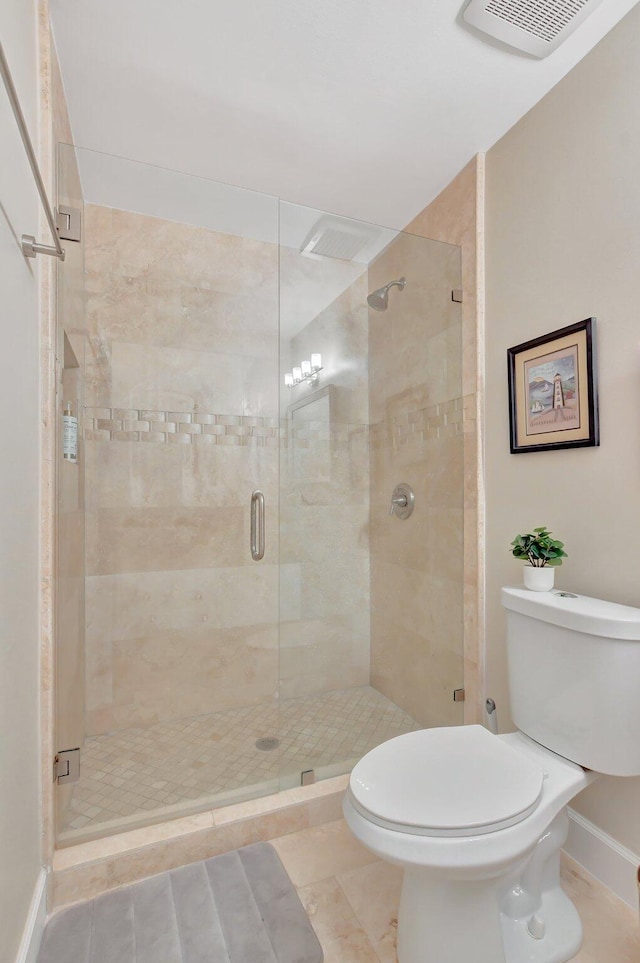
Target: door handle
x,y
257,525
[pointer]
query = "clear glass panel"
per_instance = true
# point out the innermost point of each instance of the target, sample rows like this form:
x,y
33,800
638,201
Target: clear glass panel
x,y
181,423
190,674
371,604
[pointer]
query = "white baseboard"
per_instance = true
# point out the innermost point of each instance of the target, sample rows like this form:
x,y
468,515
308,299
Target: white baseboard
x,y
34,926
604,857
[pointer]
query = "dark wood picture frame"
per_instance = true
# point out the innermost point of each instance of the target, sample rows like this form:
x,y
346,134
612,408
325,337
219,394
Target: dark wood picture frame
x,y
545,414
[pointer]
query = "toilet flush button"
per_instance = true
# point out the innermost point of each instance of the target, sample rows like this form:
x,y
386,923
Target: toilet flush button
x,y
536,927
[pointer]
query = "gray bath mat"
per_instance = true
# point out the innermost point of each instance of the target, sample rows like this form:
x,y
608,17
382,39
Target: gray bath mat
x,y
237,908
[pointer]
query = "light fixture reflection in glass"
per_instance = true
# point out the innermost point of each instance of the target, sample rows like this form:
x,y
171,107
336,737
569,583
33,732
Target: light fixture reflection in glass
x,y
306,371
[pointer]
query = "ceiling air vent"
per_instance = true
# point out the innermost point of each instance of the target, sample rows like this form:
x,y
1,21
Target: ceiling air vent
x,y
535,26
334,237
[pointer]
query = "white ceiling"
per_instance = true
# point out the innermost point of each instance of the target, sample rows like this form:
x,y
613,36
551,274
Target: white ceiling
x,y
363,109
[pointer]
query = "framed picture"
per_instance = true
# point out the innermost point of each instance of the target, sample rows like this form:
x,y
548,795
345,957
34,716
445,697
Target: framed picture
x,y
553,398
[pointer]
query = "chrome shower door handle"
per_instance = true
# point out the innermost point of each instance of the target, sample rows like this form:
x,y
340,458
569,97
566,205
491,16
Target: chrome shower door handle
x,y
257,525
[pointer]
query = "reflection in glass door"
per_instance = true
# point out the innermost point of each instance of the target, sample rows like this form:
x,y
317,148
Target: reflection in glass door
x,y
370,603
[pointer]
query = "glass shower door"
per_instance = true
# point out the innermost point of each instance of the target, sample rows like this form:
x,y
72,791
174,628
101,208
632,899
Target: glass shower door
x,y
181,428
370,603
225,359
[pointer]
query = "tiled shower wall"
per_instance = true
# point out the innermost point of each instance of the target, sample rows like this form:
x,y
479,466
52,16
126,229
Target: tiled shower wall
x,y
416,417
182,427
325,504
182,423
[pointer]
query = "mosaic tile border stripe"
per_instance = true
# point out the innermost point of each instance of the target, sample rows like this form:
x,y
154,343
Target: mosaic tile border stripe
x,y
403,428
412,428
186,427
179,427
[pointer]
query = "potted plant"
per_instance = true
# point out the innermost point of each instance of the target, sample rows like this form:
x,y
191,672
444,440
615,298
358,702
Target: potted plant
x,y
543,553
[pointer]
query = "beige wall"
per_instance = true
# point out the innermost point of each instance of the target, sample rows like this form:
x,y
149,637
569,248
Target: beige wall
x,y
20,821
416,424
563,244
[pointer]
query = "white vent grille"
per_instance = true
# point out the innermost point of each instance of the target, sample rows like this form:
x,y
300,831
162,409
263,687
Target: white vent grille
x,y
543,20
534,26
333,237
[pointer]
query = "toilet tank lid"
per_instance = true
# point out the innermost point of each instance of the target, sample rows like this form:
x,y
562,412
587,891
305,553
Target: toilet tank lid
x,y
578,612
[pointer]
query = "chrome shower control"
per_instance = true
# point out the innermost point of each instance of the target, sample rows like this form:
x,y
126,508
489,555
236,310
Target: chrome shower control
x,y
402,501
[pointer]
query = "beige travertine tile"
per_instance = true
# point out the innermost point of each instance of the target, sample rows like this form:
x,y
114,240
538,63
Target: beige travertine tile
x,y
352,948
321,798
162,770
374,894
356,911
135,605
352,901
178,319
323,654
326,810
611,933
341,935
329,910
125,842
79,883
315,854
174,672
149,539
174,313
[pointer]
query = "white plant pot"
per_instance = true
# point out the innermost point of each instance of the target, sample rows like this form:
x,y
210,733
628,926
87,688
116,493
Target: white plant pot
x,y
538,579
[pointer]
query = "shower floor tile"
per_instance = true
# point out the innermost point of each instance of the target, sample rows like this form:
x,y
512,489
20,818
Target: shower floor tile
x,y
136,776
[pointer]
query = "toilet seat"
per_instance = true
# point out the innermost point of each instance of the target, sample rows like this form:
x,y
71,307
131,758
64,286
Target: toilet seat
x,y
453,781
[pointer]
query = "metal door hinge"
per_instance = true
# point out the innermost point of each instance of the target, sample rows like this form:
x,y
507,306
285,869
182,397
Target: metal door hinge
x,y
66,766
456,295
458,695
68,223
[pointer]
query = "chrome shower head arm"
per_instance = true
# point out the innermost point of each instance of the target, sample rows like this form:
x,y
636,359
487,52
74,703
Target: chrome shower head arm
x,y
379,299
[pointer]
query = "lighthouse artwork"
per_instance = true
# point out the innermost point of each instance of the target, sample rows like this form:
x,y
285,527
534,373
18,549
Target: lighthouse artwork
x,y
553,391
552,388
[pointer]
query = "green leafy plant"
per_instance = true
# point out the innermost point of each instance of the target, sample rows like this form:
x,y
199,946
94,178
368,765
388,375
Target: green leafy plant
x,y
538,548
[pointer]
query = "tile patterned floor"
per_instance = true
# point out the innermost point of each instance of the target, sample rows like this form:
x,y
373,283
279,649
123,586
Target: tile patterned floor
x,y
139,775
352,901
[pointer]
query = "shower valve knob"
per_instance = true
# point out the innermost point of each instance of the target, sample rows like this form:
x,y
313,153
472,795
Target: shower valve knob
x,y
402,501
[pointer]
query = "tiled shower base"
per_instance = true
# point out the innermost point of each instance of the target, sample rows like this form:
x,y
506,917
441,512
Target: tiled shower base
x,y
139,776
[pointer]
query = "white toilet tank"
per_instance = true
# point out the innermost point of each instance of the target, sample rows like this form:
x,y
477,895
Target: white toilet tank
x,y
574,677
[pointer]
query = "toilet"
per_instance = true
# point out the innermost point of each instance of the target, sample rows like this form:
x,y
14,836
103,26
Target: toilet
x,y
477,820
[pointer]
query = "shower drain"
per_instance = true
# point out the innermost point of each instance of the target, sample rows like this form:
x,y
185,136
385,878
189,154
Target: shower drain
x,y
267,743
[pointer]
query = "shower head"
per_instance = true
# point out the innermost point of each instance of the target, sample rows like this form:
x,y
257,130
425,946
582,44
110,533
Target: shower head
x,y
379,300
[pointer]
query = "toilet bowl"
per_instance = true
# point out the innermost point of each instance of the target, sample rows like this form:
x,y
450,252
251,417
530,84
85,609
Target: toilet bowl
x,y
477,820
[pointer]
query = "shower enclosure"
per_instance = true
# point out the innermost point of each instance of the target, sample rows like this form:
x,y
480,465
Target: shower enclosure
x,y
238,610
